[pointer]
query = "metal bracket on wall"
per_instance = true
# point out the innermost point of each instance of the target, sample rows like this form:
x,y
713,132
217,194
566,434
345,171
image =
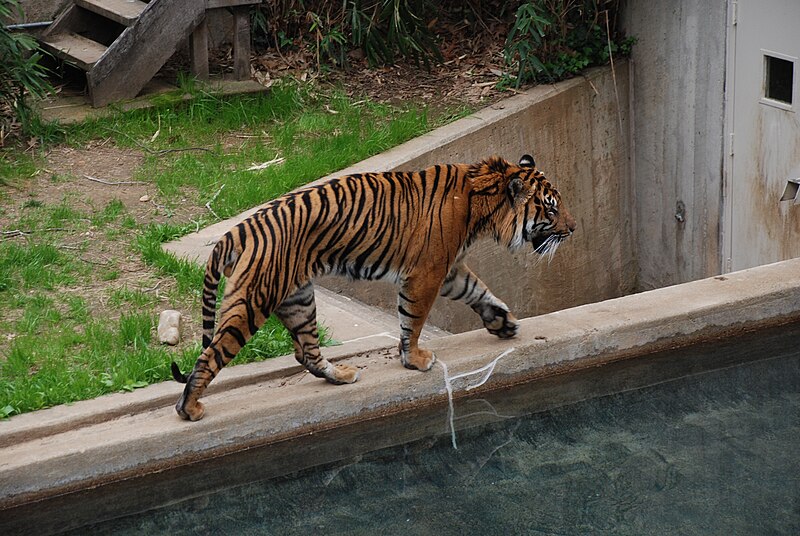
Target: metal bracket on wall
x,y
790,192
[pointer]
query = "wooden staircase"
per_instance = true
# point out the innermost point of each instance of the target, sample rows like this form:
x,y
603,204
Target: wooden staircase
x,y
121,44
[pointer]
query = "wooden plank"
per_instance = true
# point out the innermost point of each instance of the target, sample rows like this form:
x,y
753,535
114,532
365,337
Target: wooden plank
x,y
141,50
241,43
67,20
75,48
124,12
198,51
214,4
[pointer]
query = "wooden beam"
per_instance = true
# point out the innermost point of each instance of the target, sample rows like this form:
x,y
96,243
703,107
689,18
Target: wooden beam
x,y
241,43
74,48
198,51
124,12
214,4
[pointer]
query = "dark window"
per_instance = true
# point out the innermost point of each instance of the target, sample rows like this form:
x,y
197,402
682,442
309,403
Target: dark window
x,y
779,79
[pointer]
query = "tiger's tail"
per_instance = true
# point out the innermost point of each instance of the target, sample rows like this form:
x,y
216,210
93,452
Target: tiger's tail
x,y
177,374
222,260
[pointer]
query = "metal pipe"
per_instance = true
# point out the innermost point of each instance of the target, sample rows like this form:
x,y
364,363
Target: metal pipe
x,y
28,25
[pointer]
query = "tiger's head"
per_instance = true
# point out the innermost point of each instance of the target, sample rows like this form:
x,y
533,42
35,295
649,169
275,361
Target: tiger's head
x,y
536,214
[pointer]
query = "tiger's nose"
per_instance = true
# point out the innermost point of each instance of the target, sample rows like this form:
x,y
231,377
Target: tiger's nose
x,y
571,223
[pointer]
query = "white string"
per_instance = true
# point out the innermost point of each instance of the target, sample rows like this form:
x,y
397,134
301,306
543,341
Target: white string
x,y
448,385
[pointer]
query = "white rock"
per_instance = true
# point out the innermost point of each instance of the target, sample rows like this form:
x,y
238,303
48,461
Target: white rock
x,y
145,198
169,327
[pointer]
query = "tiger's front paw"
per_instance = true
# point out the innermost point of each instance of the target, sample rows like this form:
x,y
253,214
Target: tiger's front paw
x,y
418,359
341,374
500,322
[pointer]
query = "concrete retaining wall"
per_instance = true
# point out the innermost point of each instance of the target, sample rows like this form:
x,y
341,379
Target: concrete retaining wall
x,y
578,133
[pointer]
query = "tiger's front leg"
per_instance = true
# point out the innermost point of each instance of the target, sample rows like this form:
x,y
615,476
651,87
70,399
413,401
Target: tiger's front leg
x,y
463,285
414,302
298,313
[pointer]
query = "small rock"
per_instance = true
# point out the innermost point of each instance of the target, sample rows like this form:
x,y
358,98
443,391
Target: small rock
x,y
145,198
169,327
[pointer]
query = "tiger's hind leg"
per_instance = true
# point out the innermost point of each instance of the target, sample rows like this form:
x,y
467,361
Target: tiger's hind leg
x,y
298,313
237,324
463,285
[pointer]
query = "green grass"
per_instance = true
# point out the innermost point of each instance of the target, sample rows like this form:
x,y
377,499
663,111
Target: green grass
x,y
54,349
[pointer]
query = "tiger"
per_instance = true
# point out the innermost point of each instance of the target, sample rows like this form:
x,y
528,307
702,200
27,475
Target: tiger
x,y
410,228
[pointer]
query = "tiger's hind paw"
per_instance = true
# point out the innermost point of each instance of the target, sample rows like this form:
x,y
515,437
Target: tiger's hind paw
x,y
190,412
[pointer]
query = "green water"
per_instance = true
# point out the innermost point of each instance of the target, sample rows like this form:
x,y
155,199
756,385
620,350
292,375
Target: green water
x,y
715,452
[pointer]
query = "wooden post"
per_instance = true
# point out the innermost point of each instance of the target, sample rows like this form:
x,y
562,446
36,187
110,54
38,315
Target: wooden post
x,y
198,51
241,43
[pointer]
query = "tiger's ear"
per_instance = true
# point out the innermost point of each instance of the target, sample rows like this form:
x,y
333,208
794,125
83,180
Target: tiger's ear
x,y
527,161
515,187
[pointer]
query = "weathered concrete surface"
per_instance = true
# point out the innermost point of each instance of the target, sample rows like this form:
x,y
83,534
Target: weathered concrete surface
x,y
282,401
578,136
677,99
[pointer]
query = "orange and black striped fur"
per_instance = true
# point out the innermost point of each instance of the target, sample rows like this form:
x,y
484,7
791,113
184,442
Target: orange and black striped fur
x,y
410,228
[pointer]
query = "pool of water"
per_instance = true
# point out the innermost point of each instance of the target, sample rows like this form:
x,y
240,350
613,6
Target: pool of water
x,y
703,440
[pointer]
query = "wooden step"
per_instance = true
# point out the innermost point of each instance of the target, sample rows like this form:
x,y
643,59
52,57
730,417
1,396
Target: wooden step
x,y
75,48
124,12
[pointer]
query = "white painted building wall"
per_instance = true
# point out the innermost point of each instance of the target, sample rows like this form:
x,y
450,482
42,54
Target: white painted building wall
x,y
763,131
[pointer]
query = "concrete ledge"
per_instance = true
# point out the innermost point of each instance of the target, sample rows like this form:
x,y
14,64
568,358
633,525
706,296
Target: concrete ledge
x,y
273,401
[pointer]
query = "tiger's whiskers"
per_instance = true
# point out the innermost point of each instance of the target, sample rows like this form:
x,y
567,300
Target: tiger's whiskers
x,y
548,248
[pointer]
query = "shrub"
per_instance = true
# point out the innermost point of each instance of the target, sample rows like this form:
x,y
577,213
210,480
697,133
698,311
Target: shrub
x,y
384,29
554,39
20,74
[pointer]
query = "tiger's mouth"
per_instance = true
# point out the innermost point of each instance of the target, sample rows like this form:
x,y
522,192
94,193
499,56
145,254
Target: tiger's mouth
x,y
539,242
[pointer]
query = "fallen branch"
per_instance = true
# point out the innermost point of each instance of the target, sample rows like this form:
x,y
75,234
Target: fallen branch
x,y
148,150
20,232
111,183
158,284
208,205
15,233
265,165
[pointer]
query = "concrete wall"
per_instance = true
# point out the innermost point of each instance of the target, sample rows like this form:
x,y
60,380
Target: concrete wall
x,y
678,85
579,138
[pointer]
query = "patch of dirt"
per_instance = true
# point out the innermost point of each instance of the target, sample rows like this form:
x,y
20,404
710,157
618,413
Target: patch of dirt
x,y
472,65
87,180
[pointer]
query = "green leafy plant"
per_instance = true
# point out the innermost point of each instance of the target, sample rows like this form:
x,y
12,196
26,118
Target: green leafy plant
x,y
329,41
21,73
526,40
386,29
553,39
